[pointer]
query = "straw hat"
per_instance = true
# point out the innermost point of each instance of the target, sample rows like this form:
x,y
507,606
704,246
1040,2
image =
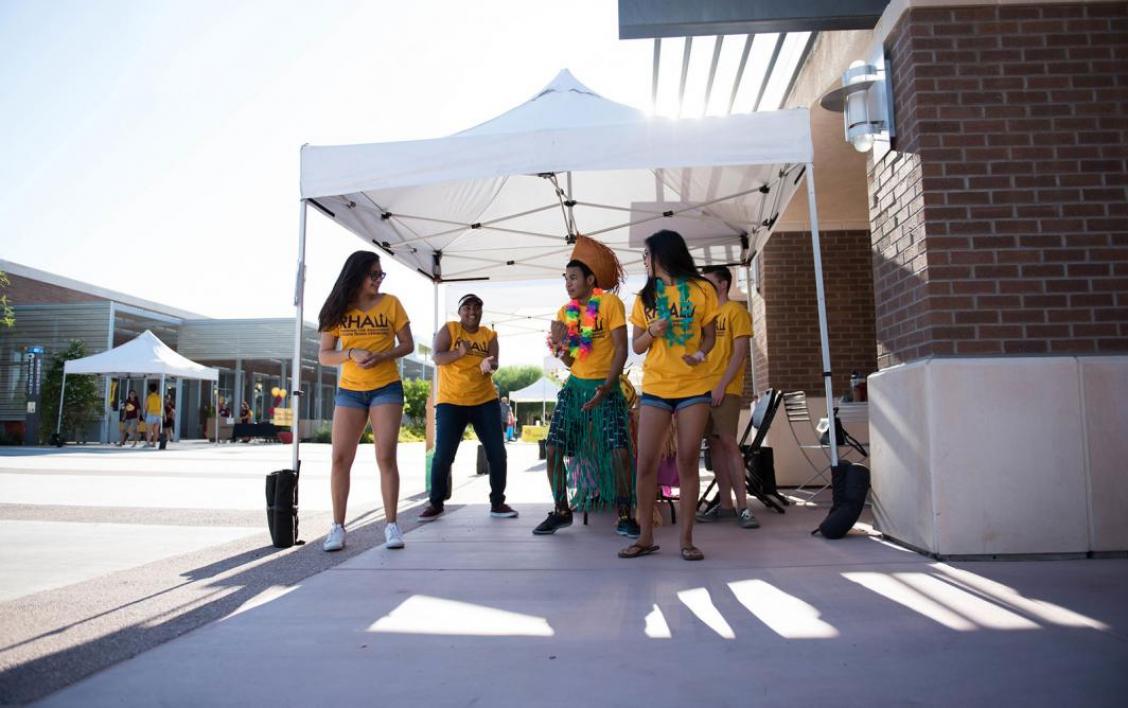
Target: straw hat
x,y
601,260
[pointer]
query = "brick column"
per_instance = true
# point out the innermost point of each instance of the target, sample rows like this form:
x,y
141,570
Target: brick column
x,y
1000,235
1000,222
785,316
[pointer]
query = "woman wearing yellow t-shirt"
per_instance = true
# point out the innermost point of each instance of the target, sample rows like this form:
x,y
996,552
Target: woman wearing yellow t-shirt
x,y
373,331
466,354
673,325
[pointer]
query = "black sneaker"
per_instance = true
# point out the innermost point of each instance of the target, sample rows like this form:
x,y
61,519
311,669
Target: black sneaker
x,y
431,513
556,520
503,511
628,527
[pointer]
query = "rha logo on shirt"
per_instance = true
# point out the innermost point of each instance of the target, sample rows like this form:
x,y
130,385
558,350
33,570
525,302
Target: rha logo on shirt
x,y
479,350
652,313
722,325
355,324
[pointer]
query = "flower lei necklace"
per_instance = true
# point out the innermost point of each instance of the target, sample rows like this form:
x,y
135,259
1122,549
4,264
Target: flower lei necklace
x,y
682,322
581,328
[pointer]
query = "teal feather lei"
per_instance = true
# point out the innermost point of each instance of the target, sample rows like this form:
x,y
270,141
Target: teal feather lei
x,y
674,337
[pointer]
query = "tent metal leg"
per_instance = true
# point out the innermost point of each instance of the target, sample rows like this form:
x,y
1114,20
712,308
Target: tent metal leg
x,y
824,337
62,390
748,304
296,368
434,371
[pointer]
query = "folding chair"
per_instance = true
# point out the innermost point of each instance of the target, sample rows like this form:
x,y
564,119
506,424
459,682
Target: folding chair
x,y
795,407
757,485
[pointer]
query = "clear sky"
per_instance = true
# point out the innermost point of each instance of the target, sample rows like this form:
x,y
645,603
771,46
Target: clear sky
x,y
152,148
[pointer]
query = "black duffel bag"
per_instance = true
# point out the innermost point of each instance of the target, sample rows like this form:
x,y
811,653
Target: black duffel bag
x,y
849,483
282,508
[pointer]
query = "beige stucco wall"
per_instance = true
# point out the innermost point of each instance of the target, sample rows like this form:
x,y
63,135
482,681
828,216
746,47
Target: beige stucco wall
x,y
1002,455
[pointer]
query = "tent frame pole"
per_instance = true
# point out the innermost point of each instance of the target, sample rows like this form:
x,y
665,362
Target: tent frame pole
x,y
296,368
62,390
824,337
751,315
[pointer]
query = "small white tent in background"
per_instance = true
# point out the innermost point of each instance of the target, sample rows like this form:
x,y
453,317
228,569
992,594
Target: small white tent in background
x,y
145,355
542,390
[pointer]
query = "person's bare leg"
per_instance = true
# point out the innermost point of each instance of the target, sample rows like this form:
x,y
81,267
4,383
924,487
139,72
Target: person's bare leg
x,y
554,467
385,433
721,471
622,462
690,429
653,423
348,424
734,464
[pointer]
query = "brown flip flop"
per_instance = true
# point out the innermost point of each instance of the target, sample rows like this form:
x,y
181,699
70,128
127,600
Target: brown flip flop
x,y
635,550
692,553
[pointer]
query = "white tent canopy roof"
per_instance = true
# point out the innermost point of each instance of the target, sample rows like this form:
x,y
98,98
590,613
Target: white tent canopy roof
x,y
145,355
484,203
543,389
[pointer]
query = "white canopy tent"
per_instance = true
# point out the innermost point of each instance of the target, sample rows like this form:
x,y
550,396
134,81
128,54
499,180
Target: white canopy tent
x,y
145,355
504,200
540,391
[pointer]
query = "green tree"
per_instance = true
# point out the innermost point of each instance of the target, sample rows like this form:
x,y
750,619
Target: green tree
x,y
514,378
82,402
415,392
7,313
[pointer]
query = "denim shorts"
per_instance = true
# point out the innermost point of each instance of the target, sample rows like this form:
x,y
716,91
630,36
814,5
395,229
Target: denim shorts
x,y
673,405
385,395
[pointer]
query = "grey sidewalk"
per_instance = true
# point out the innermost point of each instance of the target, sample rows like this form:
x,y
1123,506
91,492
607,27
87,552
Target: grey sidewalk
x,y
477,611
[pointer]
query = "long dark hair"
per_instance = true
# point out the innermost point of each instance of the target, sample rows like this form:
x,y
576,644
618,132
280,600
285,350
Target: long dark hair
x,y
668,249
352,276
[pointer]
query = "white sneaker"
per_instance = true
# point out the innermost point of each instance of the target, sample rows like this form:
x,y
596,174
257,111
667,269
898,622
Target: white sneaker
x,y
335,541
393,537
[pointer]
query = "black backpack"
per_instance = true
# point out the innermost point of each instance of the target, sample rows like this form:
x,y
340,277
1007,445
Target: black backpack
x,y
850,482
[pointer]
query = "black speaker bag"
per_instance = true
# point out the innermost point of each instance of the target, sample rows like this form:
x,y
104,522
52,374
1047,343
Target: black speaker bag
x,y
761,471
849,485
282,507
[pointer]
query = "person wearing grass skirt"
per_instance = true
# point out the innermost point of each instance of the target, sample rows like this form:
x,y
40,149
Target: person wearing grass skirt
x,y
589,445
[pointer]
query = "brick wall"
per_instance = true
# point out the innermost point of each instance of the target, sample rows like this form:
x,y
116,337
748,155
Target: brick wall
x,y
787,332
1000,224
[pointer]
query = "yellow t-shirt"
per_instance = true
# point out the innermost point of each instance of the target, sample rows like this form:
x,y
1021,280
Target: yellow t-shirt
x,y
733,321
153,404
664,373
611,316
374,331
462,382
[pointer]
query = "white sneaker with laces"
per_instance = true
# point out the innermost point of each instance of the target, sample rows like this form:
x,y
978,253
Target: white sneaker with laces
x,y
393,537
335,540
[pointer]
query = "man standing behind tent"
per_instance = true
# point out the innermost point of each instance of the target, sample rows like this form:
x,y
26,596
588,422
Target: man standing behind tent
x,y
726,368
466,354
589,422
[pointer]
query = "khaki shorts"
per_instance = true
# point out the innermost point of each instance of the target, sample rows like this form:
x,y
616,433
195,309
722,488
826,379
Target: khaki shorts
x,y
724,419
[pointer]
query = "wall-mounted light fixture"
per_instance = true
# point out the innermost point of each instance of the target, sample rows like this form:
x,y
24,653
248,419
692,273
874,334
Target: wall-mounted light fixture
x,y
866,104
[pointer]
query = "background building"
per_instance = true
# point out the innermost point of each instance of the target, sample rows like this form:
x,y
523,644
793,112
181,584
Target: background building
x,y
252,355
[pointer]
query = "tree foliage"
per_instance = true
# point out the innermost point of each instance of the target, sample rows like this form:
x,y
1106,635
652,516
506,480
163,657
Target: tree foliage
x,y
515,378
81,404
415,392
7,312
